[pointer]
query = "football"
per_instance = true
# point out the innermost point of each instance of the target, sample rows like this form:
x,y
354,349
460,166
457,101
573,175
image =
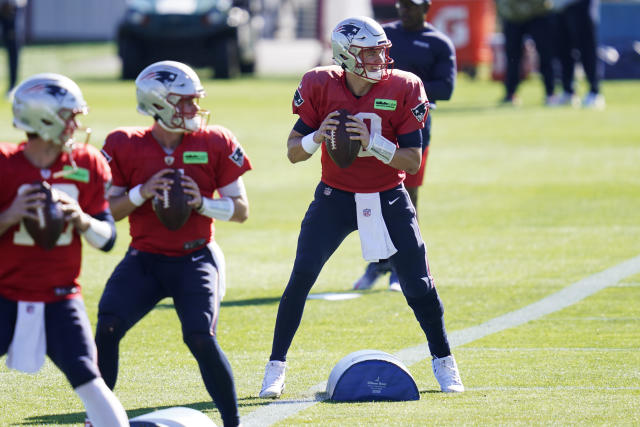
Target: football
x,y
341,148
173,212
46,230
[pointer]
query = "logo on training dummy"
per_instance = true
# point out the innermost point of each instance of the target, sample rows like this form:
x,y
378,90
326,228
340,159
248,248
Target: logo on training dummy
x,y
385,104
366,212
420,111
168,160
376,386
297,98
237,156
348,30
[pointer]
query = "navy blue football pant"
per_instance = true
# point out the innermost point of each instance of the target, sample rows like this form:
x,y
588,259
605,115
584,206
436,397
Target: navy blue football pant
x,y
68,335
137,284
540,30
331,217
576,28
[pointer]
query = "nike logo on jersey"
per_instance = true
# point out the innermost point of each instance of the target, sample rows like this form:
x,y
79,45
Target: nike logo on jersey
x,y
393,201
197,258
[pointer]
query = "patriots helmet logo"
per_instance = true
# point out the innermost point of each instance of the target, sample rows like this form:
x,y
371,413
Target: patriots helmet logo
x,y
163,76
420,111
348,30
56,91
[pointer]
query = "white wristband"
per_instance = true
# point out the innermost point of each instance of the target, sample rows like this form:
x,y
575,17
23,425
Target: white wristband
x,y
382,148
221,208
98,233
308,144
135,196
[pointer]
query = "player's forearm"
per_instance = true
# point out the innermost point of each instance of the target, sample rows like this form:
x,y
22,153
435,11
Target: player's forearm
x,y
121,206
407,159
240,209
295,151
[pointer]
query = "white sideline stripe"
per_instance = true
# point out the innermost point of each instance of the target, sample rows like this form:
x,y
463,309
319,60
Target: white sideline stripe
x,y
556,388
281,409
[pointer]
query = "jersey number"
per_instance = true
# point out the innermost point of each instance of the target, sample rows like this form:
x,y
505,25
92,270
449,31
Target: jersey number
x,y
375,127
22,237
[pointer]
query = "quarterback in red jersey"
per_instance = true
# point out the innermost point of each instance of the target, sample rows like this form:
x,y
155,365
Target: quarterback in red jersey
x,y
41,308
388,108
185,264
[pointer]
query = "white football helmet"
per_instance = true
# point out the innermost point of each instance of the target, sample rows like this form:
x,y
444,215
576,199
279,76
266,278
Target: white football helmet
x,y
161,87
46,104
361,47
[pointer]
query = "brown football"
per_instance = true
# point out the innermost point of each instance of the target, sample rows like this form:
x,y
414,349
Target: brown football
x,y
173,212
46,230
341,148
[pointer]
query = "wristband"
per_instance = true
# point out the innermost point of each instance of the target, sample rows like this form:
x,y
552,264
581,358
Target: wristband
x,y
135,196
382,148
98,233
221,208
308,144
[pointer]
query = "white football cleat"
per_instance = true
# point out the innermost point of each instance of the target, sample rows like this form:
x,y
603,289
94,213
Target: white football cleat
x,y
273,382
446,371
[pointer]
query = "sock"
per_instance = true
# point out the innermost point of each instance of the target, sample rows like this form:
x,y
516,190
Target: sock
x,y
102,406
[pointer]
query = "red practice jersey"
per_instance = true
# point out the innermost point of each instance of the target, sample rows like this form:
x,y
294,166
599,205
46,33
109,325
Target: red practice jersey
x,y
28,272
212,157
393,107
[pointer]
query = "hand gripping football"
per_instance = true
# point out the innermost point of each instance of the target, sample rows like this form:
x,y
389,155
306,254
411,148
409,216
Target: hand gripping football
x,y
341,148
173,212
46,230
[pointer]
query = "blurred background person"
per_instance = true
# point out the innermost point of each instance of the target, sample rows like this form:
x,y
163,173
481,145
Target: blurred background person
x,y
11,16
416,46
576,33
521,18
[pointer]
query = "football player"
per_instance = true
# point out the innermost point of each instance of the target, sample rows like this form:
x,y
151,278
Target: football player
x,y
388,109
420,48
185,264
41,307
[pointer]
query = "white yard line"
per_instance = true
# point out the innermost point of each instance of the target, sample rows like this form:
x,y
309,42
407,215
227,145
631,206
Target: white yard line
x,y
281,409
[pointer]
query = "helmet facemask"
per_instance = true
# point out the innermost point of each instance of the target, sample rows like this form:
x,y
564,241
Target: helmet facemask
x,y
182,120
372,63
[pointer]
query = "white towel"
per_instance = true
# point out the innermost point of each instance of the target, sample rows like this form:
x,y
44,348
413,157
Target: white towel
x,y
375,241
28,346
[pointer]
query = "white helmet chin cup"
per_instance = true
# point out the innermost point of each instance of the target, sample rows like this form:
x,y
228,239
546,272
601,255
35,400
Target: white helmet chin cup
x,y
46,104
351,38
159,89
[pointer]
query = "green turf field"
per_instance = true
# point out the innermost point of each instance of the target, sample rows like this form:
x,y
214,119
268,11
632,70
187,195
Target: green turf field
x,y
518,204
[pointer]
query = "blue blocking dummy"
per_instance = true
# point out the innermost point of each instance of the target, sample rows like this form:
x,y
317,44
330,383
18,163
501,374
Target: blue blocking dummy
x,y
369,375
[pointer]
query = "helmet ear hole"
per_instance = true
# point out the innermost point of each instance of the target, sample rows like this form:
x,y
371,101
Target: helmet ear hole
x,y
158,106
46,122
